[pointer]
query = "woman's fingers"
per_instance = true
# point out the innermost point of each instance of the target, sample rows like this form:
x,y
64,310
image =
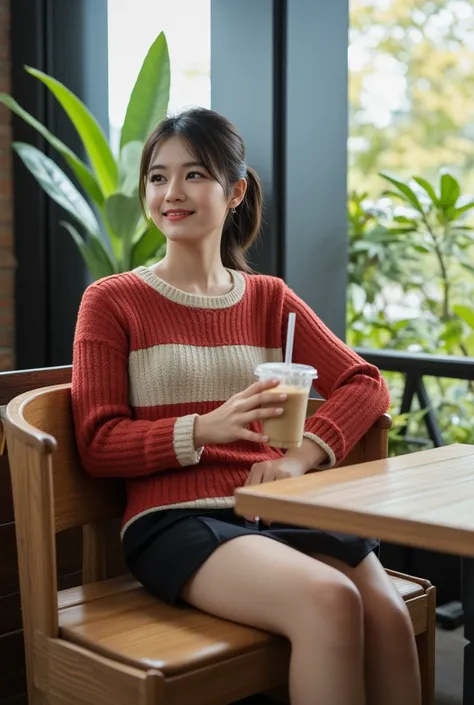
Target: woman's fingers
x,y
262,399
261,414
252,436
259,386
255,477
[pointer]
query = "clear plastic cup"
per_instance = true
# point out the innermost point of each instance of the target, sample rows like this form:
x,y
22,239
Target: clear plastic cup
x,y
286,431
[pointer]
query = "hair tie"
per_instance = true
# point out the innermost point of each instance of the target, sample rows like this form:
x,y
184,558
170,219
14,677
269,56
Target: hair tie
x,y
242,170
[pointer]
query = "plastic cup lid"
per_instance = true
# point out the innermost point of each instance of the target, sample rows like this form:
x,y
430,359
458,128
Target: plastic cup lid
x,y
279,369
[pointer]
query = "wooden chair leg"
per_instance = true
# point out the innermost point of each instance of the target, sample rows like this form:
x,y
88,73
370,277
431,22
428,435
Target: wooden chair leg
x,y
426,646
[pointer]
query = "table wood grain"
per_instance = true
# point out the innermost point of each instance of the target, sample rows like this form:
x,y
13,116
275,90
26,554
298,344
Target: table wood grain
x,y
423,499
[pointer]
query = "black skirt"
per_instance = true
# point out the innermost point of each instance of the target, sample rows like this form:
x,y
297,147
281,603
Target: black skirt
x,y
163,549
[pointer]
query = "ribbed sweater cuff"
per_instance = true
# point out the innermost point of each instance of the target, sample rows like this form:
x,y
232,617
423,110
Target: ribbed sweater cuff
x,y
331,461
329,433
183,441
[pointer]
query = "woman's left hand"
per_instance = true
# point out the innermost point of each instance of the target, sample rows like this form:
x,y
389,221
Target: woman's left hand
x,y
278,469
296,462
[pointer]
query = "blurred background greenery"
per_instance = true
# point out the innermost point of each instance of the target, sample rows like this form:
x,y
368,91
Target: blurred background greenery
x,y
411,89
411,179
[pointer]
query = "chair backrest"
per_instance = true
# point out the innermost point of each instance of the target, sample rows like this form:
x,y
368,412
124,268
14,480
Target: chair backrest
x,y
42,418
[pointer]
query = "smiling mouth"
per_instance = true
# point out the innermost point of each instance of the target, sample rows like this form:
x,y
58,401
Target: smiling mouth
x,y
177,215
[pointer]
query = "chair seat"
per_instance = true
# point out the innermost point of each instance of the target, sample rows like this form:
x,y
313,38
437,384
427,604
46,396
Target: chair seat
x,y
118,619
408,589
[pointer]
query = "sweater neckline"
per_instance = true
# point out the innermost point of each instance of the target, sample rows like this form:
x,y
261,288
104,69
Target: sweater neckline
x,y
194,300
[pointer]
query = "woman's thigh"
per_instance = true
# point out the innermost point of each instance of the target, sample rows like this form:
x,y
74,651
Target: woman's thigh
x,y
261,582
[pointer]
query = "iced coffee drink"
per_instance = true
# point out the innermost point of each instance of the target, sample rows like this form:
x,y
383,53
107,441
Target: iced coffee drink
x,y
286,431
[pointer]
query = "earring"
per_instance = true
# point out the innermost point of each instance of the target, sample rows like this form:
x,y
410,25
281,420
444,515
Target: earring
x,y
234,211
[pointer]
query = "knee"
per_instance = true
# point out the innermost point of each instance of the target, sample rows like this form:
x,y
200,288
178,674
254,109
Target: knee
x,y
388,614
335,605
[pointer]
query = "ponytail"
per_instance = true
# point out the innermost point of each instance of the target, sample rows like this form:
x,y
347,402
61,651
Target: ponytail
x,y
242,228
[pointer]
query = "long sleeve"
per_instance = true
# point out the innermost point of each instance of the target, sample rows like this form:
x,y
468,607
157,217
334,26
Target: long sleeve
x,y
111,442
355,391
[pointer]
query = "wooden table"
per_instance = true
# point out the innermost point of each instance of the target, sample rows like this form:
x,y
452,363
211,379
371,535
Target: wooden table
x,y
423,499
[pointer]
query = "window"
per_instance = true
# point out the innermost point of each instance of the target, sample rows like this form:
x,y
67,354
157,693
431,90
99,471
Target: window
x,y
411,88
133,26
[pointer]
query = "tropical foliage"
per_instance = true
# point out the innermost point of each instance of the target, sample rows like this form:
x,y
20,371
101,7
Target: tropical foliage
x,y
411,287
101,194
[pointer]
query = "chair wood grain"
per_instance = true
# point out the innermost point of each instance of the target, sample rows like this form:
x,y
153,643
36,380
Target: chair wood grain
x,y
44,421
74,676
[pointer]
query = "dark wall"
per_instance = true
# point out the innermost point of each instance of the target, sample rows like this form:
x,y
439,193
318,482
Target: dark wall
x,y
315,252
279,71
246,40
69,41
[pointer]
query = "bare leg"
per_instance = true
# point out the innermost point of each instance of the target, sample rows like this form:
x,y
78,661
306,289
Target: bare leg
x,y
257,581
392,671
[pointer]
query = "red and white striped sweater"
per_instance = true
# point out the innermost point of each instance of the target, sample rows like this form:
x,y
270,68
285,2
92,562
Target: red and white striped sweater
x,y
148,358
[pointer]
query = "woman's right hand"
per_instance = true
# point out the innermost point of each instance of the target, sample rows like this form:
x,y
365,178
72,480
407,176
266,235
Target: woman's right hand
x,y
230,421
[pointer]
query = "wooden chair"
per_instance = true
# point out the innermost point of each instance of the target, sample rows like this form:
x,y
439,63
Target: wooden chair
x,y
108,642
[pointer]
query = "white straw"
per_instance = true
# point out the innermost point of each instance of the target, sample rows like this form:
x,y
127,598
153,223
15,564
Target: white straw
x,y
290,338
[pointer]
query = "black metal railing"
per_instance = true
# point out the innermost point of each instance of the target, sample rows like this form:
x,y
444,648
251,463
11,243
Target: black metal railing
x,y
416,366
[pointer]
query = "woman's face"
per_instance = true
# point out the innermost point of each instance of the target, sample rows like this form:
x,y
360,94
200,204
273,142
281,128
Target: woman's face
x,y
184,201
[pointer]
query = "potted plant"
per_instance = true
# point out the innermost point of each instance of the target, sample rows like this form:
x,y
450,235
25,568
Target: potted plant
x,y
107,225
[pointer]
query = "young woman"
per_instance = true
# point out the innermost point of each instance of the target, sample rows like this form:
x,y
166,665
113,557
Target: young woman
x,y
164,395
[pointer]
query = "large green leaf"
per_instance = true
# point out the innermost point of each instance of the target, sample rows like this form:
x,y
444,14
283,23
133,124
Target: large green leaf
x,y
466,313
149,245
426,186
422,247
123,215
452,332
469,345
129,167
84,175
463,209
150,95
89,131
403,219
57,185
449,190
401,231
408,193
94,253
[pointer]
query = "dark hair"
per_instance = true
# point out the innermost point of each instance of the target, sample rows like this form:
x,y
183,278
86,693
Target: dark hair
x,y
218,146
